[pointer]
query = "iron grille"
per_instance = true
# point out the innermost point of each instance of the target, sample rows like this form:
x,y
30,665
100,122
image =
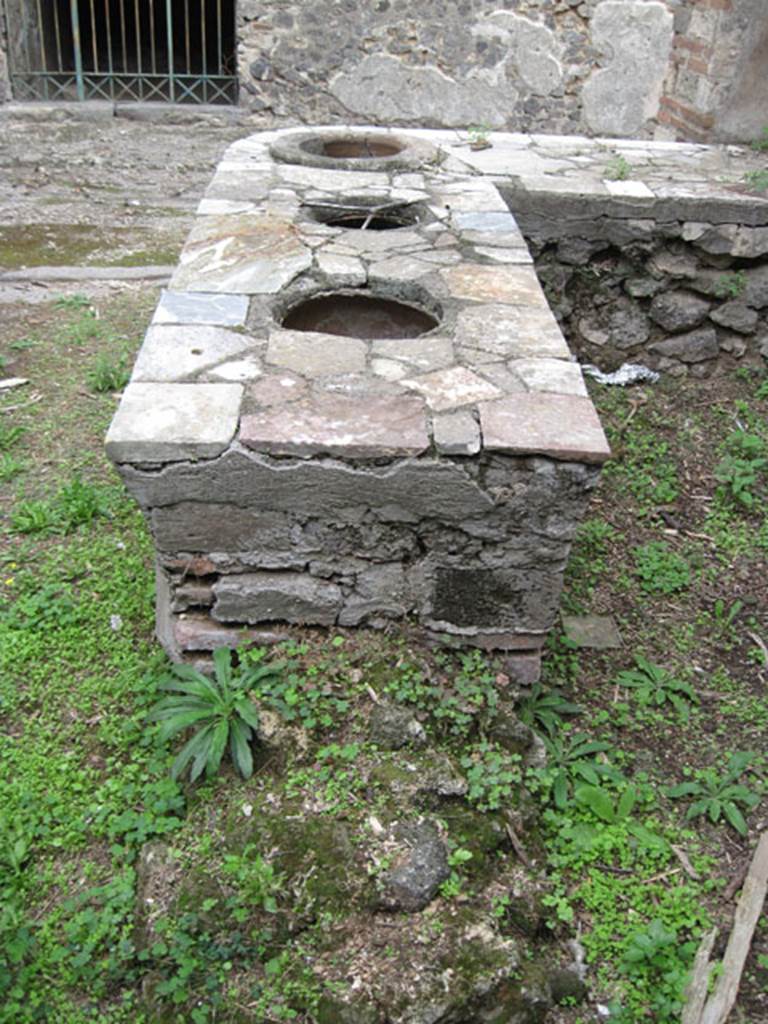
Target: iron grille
x,y
173,51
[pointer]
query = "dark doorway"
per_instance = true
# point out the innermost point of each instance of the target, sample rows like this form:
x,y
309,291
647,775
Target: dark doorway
x,y
176,51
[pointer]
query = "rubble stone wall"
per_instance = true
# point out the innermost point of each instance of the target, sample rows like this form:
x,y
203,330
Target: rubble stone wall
x,y
684,297
456,543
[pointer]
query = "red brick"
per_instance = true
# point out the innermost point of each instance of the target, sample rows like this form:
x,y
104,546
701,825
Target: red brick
x,y
702,120
685,131
694,45
701,67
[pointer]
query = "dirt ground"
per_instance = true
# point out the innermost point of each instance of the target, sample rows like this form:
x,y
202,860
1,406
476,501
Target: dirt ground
x,y
111,193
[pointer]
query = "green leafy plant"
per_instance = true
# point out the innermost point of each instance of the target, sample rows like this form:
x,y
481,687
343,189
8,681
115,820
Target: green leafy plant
x,y
76,504
572,759
50,607
718,795
760,145
655,686
545,709
219,709
256,881
109,373
76,301
731,285
618,168
451,887
477,136
9,436
79,503
334,782
10,466
299,697
660,569
603,804
656,955
38,516
493,776
757,180
740,473
468,695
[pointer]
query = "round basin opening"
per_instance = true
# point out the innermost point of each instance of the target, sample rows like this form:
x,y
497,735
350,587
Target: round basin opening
x,y
359,316
361,148
346,149
367,215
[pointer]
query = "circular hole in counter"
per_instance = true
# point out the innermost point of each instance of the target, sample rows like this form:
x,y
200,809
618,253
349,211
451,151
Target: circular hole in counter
x,y
355,315
343,149
361,147
367,214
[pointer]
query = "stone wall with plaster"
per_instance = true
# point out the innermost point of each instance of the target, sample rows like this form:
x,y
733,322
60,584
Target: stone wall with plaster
x,y
627,68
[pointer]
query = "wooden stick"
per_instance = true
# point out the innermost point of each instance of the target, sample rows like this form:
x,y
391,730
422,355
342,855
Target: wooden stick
x,y
748,911
697,988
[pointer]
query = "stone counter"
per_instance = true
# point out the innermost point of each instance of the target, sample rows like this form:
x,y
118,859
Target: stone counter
x,y
317,473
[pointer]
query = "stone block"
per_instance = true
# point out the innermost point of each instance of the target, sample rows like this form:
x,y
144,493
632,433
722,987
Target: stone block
x,y
331,424
678,310
276,597
517,286
173,422
173,352
693,347
637,37
456,433
555,375
452,388
561,426
471,599
201,308
210,527
736,316
312,355
380,592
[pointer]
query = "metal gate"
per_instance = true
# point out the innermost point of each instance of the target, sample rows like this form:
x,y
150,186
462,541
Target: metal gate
x,y
173,51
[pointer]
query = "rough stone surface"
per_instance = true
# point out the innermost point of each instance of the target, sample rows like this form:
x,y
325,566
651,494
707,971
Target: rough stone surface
x,y
693,347
449,389
554,375
373,477
620,98
420,869
276,597
678,311
312,355
393,728
597,631
383,89
736,316
456,433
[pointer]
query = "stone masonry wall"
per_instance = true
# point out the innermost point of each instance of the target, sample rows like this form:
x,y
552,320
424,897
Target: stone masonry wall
x,y
322,542
681,297
629,68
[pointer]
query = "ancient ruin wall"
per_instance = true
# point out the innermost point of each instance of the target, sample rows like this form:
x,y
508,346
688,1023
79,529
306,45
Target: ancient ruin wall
x,y
629,68
685,69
